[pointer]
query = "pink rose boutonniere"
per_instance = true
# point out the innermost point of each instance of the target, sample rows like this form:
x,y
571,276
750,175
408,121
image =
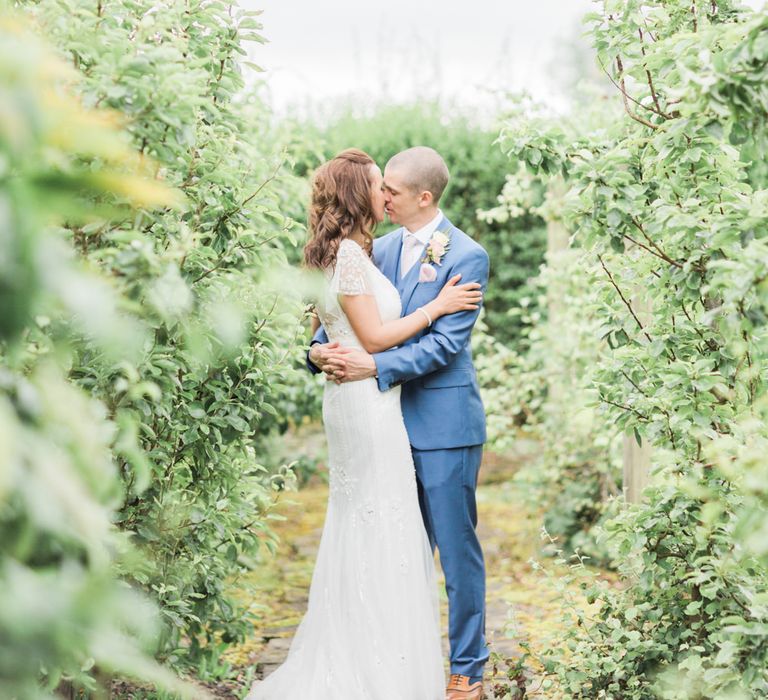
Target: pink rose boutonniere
x,y
436,248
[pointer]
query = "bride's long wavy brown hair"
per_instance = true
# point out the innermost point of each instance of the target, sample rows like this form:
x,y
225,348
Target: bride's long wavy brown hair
x,y
341,205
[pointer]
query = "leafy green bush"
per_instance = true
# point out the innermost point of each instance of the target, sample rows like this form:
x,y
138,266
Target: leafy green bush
x,y
547,390
213,338
668,207
63,613
547,387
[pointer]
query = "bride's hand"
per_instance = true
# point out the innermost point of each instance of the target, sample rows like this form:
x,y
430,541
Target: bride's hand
x,y
454,297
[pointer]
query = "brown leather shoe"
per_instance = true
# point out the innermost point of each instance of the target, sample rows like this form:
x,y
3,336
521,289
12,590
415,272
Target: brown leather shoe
x,y
460,689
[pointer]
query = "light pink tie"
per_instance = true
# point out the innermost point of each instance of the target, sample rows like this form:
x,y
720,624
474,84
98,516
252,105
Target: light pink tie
x,y
411,249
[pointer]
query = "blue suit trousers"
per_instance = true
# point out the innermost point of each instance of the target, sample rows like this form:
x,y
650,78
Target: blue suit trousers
x,y
447,480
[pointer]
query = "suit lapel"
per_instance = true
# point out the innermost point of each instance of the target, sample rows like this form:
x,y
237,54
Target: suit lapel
x,y
390,257
407,286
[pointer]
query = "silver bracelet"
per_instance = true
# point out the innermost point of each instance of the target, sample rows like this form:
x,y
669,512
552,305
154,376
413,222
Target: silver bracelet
x,y
426,315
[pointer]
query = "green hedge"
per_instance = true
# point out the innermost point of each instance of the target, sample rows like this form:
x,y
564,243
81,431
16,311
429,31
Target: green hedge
x,y
670,214
64,615
206,337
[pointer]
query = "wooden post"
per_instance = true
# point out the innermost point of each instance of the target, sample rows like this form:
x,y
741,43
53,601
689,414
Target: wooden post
x,y
637,458
557,247
637,463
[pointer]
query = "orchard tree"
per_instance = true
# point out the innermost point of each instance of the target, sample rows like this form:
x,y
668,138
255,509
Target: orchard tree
x,y
211,339
65,617
669,203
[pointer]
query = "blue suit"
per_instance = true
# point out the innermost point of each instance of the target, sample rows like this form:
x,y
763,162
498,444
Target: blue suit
x,y
445,420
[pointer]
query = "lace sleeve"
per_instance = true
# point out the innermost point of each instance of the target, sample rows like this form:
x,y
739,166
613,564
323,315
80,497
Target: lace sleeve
x,y
351,274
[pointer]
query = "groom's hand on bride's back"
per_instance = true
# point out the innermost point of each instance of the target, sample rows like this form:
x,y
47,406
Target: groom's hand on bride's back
x,y
349,365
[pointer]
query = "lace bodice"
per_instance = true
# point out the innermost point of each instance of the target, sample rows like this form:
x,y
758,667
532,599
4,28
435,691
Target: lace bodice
x,y
354,274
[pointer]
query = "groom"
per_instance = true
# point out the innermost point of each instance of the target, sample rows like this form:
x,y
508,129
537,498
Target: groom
x,y
440,398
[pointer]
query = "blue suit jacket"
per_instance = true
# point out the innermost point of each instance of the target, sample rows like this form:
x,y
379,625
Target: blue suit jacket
x,y
440,397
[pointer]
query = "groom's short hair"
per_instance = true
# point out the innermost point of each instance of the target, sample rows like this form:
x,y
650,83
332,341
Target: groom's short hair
x,y
423,169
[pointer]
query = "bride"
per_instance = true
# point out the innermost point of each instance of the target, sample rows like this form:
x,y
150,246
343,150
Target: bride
x,y
371,631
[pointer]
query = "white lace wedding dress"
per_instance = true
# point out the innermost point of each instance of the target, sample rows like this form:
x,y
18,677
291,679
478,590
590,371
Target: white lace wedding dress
x,y
371,631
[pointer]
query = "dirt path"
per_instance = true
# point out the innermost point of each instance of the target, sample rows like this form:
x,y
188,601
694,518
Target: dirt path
x,y
521,606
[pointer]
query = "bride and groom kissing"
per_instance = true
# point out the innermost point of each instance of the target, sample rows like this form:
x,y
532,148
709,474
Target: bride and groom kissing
x,y
405,427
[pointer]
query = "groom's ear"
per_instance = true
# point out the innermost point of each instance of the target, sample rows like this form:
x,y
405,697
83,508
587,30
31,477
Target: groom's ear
x,y
426,198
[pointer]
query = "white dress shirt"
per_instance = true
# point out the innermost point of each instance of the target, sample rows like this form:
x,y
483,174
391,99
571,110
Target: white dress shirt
x,y
414,243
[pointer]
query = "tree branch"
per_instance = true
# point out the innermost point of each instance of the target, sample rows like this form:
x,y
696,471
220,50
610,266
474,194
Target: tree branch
x,y
655,97
625,96
634,384
624,299
624,92
219,262
652,252
625,408
238,208
660,252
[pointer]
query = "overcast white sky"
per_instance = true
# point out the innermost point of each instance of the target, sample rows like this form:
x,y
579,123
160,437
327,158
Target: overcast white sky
x,y
403,49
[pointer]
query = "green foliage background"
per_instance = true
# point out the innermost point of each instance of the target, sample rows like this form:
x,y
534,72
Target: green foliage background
x,y
148,204
63,613
666,204
174,328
